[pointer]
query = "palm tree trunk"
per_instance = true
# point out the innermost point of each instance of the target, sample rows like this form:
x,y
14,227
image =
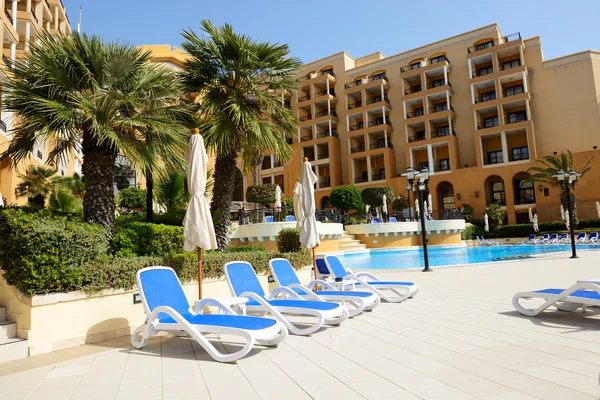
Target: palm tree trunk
x,y
563,201
224,181
99,170
149,196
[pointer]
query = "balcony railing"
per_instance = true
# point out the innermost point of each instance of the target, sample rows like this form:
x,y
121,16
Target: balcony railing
x,y
353,84
485,97
378,99
417,138
486,125
356,127
414,114
380,145
519,157
441,167
415,89
10,18
440,109
432,85
326,133
355,105
304,98
305,118
325,182
421,64
325,92
378,77
21,46
513,119
326,112
306,138
379,122
442,133
323,156
496,42
378,177
3,126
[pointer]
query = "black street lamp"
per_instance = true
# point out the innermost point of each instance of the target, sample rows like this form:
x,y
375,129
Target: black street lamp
x,y
408,188
567,179
423,176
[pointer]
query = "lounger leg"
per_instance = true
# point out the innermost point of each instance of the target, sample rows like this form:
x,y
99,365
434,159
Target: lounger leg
x,y
224,357
338,320
146,331
274,342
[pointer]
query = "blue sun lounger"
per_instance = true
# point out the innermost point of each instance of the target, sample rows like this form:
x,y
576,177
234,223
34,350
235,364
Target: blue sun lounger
x,y
570,299
284,275
346,279
243,282
167,309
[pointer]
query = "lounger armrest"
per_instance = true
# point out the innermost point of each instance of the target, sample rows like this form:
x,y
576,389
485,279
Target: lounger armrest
x,y
321,282
306,290
286,290
366,275
166,310
209,301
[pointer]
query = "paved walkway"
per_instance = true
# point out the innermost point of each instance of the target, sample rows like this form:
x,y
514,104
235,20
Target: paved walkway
x,y
460,338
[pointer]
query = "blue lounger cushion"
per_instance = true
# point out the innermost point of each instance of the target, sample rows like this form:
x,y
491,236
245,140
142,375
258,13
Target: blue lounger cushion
x,y
229,321
313,305
584,294
387,283
342,293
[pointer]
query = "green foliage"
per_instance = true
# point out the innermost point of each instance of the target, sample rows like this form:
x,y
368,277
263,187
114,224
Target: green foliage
x,y
174,218
36,184
400,203
132,198
244,249
288,240
41,253
589,223
516,230
467,211
135,238
75,184
261,194
346,198
471,232
288,203
495,214
374,196
550,165
63,200
171,192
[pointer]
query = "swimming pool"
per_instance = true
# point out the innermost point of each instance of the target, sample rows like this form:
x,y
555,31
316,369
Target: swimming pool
x,y
444,256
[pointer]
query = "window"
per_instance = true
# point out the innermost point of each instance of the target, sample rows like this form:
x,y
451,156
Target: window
x,y
327,71
487,96
524,192
358,82
382,173
437,59
447,198
511,64
361,146
498,194
378,76
415,65
424,164
416,88
418,111
365,176
438,82
361,124
377,98
441,107
420,135
495,157
520,153
378,120
485,71
513,90
490,122
266,180
443,130
517,116
445,165
380,143
485,45
39,147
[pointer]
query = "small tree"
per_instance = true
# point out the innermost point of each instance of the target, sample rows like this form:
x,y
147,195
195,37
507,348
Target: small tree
x,y
132,198
400,203
346,198
374,196
262,194
288,240
467,211
495,215
37,184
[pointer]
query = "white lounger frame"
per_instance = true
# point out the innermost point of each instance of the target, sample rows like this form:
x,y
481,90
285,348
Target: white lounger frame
x,y
330,317
271,336
562,301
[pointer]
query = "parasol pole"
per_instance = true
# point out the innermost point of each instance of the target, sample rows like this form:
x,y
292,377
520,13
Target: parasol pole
x,y
314,262
199,273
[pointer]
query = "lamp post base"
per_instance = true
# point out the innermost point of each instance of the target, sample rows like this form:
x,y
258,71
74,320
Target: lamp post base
x,y
427,269
574,256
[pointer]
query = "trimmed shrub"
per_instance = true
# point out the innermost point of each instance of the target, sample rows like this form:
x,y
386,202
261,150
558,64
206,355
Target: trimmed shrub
x,y
471,232
173,218
244,249
261,194
134,238
517,230
346,198
374,196
132,198
468,211
288,240
589,223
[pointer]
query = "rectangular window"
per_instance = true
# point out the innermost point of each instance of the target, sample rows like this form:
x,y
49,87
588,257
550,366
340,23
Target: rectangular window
x,y
377,98
416,88
485,45
490,122
378,76
438,82
441,107
448,198
380,143
266,180
445,164
495,157
517,116
378,120
415,65
488,96
420,135
328,71
513,90
485,71
443,130
418,111
424,164
437,59
520,153
266,163
511,64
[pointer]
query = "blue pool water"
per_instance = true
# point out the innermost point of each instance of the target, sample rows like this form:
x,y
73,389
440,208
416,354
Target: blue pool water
x,y
444,256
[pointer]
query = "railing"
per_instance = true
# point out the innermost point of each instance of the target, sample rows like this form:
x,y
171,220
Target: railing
x,y
332,133
359,149
482,98
414,114
325,182
438,59
436,85
10,18
356,127
415,89
435,110
442,133
305,118
378,177
34,16
441,167
328,73
257,215
379,145
304,98
326,112
324,92
413,66
378,99
496,42
417,138
20,45
483,71
306,138
521,157
3,126
353,84
380,122
355,105
517,118
487,125
378,77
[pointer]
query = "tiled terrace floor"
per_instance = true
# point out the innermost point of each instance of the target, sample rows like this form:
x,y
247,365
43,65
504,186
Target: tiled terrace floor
x,y
460,338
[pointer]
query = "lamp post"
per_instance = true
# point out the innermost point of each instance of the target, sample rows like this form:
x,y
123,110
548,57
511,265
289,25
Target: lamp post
x,y
423,176
567,179
408,188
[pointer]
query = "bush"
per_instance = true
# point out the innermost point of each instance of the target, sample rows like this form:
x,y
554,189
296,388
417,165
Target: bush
x,y
495,214
552,226
517,230
41,253
261,194
589,223
173,218
244,249
132,198
288,240
346,198
471,232
467,211
400,203
374,196
135,238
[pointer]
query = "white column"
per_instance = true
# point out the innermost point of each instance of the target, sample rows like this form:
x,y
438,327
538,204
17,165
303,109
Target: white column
x,y
404,106
348,122
445,75
56,17
430,157
470,69
410,154
472,94
383,113
525,82
385,138
330,129
504,147
13,51
448,99
382,91
368,166
527,110
14,13
27,34
353,172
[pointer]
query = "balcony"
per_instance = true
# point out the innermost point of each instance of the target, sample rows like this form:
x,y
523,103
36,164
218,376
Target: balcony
x,y
413,66
423,63
378,77
442,167
357,82
438,83
305,118
482,98
378,177
496,42
359,149
378,99
380,144
324,113
442,132
303,98
489,124
10,18
414,114
331,92
357,126
379,122
313,76
327,132
356,104
440,108
417,137
517,116
414,89
307,137
360,179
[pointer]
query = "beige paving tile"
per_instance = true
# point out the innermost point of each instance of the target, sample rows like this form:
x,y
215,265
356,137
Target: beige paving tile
x,y
149,393
549,373
512,395
551,391
582,384
53,392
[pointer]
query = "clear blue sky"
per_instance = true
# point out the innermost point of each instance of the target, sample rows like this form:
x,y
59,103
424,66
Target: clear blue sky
x,y
312,29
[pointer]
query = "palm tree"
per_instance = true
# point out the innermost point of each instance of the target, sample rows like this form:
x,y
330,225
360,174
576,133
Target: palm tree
x,y
550,166
172,192
37,184
238,82
101,98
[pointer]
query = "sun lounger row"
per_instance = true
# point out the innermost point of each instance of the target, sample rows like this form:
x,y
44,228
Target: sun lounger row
x,y
580,295
554,238
340,295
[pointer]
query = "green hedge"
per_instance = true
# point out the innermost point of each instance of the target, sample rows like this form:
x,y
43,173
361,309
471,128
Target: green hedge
x,y
288,240
135,238
471,232
589,223
524,230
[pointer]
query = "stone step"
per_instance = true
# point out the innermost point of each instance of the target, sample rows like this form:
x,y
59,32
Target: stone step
x,y
3,314
8,330
13,349
349,241
352,246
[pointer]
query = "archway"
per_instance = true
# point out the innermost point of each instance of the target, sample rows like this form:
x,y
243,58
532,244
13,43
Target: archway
x,y
445,196
494,190
524,191
238,186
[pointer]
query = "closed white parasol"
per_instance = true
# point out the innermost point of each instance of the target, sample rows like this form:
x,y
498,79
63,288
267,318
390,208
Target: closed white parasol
x,y
309,237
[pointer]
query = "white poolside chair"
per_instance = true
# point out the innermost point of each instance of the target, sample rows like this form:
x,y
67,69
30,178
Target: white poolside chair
x,y
486,242
530,240
167,309
553,238
346,279
570,299
284,275
243,282
563,239
581,238
593,238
